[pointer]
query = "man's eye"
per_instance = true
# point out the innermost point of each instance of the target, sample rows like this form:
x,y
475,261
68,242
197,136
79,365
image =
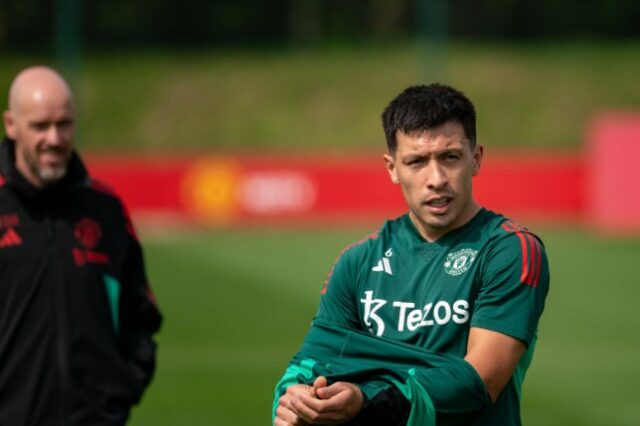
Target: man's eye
x,y
39,126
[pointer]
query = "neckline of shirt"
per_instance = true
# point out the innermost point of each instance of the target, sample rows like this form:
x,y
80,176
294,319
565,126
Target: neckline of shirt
x,y
443,241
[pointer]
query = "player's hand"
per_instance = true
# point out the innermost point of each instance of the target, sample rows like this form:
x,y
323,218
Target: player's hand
x,y
285,415
329,405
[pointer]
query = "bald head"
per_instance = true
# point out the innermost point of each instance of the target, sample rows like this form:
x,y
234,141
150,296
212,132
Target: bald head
x,y
40,85
41,121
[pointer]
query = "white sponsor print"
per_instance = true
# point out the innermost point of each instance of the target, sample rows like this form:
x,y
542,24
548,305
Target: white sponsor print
x,y
439,313
410,318
371,305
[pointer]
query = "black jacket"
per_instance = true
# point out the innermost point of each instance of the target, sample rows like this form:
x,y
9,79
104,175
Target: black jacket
x,y
76,313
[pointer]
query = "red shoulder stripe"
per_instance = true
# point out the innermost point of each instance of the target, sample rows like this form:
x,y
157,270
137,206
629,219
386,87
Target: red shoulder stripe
x,y
2,181
509,227
536,278
531,253
531,273
535,250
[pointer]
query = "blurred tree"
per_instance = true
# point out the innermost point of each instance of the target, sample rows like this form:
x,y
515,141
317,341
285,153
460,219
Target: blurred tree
x,y
305,21
29,24
545,18
3,25
389,17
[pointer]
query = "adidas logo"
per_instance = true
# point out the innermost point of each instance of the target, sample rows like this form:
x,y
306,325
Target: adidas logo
x,y
384,265
10,238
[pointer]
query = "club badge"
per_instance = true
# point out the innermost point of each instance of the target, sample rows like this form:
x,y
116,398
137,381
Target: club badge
x,y
460,261
88,232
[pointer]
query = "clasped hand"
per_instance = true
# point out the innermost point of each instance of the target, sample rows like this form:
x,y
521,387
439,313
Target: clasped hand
x,y
318,404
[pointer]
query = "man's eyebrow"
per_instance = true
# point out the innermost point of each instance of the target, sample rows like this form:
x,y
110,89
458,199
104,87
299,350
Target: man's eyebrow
x,y
450,149
414,156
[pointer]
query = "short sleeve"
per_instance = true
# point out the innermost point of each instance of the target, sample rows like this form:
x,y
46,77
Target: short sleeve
x,y
338,296
514,283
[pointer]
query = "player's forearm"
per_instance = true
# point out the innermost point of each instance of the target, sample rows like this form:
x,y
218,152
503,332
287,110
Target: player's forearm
x,y
494,357
454,389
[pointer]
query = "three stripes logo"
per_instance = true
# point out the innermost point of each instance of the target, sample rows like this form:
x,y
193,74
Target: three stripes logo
x,y
531,253
10,239
384,265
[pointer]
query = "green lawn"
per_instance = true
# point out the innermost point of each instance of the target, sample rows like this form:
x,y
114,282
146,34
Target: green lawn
x,y
237,304
528,95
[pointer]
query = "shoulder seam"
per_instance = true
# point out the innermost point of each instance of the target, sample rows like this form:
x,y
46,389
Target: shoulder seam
x,y
369,237
104,188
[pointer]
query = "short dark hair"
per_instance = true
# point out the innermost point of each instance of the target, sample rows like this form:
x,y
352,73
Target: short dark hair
x,y
425,107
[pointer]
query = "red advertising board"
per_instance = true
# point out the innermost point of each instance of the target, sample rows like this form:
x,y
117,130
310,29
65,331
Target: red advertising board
x,y
600,187
613,177
239,189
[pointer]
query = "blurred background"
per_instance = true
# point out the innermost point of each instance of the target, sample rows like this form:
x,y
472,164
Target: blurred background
x,y
245,136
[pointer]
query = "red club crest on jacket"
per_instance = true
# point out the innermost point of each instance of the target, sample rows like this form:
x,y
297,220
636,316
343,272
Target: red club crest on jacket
x,y
88,232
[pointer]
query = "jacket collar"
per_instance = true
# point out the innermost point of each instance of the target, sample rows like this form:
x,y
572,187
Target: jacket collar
x,y
76,174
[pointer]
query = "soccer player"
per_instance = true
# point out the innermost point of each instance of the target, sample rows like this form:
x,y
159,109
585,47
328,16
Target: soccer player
x,y
77,316
433,319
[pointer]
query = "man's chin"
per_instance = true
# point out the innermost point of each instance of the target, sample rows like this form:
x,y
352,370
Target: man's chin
x,y
51,175
433,223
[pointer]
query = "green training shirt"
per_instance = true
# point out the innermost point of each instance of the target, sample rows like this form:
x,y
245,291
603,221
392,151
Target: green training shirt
x,y
490,273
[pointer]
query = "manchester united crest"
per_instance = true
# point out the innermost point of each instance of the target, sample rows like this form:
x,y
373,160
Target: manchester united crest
x,y
88,232
458,262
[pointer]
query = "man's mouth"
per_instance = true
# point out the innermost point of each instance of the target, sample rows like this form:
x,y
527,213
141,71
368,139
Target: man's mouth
x,y
439,202
53,155
438,205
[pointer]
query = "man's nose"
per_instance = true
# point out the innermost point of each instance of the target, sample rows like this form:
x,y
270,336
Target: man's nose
x,y
53,135
437,177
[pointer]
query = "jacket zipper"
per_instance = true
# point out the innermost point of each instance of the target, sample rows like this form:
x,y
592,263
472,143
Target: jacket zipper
x,y
57,289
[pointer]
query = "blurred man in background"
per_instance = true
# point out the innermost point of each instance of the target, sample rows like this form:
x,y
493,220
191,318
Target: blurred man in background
x,y
434,318
77,317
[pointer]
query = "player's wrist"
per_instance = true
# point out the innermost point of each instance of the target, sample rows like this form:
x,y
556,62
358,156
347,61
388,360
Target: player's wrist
x,y
389,407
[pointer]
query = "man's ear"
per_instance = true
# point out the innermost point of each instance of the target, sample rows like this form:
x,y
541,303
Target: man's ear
x,y
390,165
9,124
478,152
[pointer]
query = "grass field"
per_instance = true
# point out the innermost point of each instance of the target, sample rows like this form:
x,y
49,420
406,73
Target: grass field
x,y
528,94
238,302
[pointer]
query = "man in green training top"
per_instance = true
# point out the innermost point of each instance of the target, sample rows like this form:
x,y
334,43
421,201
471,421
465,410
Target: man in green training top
x,y
433,319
